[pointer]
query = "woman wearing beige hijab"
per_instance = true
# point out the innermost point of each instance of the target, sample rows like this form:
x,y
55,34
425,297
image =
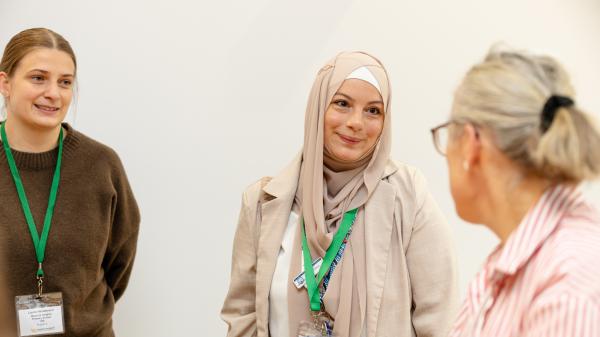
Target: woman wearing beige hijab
x,y
390,270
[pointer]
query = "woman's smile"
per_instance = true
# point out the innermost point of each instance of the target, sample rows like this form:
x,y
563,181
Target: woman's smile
x,y
46,109
349,139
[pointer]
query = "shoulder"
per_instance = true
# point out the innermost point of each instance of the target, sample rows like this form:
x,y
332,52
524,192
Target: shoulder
x,y
91,150
98,161
570,255
93,147
284,184
564,274
412,197
406,179
252,192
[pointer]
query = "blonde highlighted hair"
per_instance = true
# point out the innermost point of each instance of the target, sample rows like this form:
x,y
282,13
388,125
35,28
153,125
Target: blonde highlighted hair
x,y
506,94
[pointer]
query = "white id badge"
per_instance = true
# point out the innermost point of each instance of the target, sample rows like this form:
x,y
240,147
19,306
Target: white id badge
x,y
40,315
300,280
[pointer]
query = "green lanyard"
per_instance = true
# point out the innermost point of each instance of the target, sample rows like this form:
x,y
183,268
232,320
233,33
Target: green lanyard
x,y
312,282
38,242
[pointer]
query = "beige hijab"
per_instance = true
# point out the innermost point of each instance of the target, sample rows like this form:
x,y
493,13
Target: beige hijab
x,y
326,192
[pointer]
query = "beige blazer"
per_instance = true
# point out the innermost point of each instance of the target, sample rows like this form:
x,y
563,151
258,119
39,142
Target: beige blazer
x,y
411,269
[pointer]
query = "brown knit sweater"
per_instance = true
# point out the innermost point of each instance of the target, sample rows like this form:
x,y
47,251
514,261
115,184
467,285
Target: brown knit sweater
x,y
92,241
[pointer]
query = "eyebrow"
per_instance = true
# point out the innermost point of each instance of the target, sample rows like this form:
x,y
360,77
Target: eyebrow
x,y
46,72
352,99
342,94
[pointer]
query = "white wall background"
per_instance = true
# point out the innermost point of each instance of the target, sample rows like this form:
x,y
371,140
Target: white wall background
x,y
201,98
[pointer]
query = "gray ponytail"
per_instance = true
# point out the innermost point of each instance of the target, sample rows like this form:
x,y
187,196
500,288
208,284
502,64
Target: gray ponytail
x,y
506,93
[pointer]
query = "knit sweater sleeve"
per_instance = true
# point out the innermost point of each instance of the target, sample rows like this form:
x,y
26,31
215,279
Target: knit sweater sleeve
x,y
120,252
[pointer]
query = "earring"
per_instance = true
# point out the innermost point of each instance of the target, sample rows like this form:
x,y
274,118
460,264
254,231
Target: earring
x,y
465,165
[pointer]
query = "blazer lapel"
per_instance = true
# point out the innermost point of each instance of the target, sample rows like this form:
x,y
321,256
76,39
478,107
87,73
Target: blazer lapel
x,y
379,218
275,215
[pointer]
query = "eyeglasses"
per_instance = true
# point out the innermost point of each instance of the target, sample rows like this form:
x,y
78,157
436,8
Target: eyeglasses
x,y
440,137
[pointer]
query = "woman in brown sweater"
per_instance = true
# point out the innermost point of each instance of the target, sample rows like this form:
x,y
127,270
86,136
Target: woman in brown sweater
x,y
68,218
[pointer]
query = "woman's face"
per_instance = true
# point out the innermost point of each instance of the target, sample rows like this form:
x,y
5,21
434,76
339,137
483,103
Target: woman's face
x,y
353,120
39,92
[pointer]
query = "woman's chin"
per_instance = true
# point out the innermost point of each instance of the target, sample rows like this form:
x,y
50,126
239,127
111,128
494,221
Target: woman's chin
x,y
46,122
467,215
348,156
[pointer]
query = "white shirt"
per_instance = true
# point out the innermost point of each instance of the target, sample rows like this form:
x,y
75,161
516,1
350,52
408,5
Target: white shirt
x,y
278,303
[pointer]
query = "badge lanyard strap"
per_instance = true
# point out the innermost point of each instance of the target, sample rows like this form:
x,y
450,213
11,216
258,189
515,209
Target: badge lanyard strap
x,y
39,243
336,260
312,282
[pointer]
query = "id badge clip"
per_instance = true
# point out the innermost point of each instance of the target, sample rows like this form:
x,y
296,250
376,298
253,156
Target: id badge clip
x,y
321,326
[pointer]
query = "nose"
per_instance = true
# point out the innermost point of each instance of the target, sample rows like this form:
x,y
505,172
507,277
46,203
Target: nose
x,y
52,91
355,119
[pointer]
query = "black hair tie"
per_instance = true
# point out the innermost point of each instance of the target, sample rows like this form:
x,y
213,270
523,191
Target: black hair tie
x,y
549,111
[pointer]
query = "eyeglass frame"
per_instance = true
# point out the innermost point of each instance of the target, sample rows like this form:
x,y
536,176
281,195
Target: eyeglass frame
x,y
434,132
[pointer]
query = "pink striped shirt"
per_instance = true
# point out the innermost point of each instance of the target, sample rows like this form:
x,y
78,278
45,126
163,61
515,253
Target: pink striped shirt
x,y
545,280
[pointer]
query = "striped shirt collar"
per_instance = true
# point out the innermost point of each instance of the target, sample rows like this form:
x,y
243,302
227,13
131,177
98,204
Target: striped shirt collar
x,y
539,222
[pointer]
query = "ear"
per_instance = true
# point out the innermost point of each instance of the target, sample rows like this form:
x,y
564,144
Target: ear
x,y
4,84
470,146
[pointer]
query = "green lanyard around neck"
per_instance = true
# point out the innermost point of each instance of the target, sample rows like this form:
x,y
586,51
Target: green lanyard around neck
x,y
39,243
312,282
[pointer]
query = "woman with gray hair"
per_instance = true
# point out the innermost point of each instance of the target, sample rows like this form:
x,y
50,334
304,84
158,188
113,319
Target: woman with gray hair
x,y
517,147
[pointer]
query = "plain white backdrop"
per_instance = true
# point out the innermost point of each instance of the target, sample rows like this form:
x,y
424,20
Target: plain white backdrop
x,y
201,98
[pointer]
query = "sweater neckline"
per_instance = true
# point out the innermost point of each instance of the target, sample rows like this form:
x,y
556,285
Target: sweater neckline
x,y
46,159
